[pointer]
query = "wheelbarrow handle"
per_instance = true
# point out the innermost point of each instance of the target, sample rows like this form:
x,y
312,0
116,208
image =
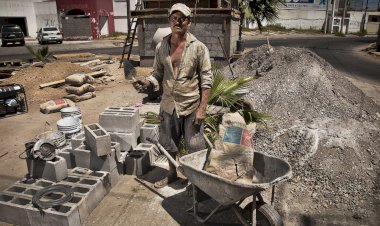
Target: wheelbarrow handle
x,y
170,158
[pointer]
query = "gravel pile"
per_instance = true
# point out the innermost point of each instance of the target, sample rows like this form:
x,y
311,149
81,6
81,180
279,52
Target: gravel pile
x,y
326,128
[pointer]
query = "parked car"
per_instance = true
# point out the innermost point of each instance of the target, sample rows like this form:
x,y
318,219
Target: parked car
x,y
49,34
12,33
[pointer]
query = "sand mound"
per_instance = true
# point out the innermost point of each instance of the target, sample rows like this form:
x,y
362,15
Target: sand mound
x,y
326,128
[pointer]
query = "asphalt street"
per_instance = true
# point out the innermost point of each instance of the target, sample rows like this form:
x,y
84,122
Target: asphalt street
x,y
344,53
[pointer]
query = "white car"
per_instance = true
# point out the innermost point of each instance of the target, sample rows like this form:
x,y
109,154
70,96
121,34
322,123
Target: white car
x,y
49,34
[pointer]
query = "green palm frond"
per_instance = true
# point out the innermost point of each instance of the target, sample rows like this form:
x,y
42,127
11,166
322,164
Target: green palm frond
x,y
223,90
152,117
42,54
254,116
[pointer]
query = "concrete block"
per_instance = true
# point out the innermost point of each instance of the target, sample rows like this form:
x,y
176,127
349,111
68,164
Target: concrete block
x,y
69,156
127,141
13,209
53,170
82,157
97,139
122,120
101,175
114,177
64,215
88,159
117,148
152,150
149,131
137,163
39,183
77,140
91,189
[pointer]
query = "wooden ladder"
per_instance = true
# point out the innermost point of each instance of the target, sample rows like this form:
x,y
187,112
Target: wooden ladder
x,y
128,43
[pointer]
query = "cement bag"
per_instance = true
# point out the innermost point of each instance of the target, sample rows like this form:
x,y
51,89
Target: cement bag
x,y
55,105
236,166
79,79
234,135
85,88
78,98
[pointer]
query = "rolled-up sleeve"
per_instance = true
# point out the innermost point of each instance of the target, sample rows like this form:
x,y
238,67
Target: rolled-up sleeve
x,y
158,71
205,67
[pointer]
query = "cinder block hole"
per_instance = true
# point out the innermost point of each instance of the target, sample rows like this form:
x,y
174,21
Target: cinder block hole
x,y
72,179
109,113
88,181
61,209
146,145
75,199
99,132
5,198
30,192
126,114
28,181
93,126
136,155
20,201
81,190
129,109
16,189
53,196
149,126
97,174
113,108
43,183
81,171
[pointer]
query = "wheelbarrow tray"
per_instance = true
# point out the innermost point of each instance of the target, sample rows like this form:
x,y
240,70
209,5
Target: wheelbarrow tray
x,y
269,170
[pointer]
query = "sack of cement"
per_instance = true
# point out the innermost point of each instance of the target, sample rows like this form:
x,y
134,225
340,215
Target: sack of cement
x,y
236,166
234,134
233,157
55,105
79,79
85,88
78,98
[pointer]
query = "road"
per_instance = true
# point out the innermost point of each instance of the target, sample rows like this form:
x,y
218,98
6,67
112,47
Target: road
x,y
341,52
344,53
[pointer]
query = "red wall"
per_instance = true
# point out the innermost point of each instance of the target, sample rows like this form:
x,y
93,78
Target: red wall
x,y
93,8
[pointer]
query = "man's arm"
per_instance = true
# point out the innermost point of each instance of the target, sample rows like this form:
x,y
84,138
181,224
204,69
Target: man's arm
x,y
206,83
200,114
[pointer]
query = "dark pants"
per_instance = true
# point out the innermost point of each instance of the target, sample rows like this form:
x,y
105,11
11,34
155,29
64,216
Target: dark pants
x,y
173,127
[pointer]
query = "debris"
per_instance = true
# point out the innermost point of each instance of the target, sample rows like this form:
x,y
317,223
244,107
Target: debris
x,y
52,84
89,62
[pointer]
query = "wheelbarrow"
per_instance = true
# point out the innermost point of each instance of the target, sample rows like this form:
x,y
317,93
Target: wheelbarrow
x,y
230,194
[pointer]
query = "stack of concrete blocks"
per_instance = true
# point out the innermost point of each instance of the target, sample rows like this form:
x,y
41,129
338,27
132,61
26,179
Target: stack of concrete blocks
x,y
96,152
89,188
123,124
16,206
67,153
53,170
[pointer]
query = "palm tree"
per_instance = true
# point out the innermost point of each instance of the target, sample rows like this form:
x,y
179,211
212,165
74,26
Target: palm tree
x,y
260,10
42,54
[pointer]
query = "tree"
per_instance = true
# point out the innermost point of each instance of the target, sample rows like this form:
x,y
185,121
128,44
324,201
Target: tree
x,y
260,10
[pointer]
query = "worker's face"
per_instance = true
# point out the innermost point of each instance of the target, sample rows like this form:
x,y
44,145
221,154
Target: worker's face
x,y
179,24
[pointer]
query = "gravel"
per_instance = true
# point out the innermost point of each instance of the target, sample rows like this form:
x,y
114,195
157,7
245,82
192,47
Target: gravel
x,y
324,126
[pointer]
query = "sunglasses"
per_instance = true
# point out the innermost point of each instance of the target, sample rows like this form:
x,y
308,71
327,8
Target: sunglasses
x,y
177,18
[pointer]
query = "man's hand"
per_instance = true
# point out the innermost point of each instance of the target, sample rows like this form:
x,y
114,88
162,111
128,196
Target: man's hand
x,y
200,116
141,85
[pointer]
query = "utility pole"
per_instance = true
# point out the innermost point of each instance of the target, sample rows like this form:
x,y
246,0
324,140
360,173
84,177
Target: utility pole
x,y
332,17
364,17
128,13
326,16
343,16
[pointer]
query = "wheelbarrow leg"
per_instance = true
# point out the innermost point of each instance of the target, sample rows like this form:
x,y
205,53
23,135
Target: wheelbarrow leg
x,y
195,209
254,207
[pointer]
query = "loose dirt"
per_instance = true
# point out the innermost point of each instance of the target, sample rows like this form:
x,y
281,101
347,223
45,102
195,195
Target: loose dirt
x,y
326,128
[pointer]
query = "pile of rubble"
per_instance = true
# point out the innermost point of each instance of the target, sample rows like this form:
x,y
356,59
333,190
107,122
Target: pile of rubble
x,y
326,128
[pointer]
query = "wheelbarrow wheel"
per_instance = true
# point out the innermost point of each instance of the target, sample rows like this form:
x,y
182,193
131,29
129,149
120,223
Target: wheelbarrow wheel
x,y
266,215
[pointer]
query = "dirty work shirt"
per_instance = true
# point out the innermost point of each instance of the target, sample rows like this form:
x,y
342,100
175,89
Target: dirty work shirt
x,y
181,92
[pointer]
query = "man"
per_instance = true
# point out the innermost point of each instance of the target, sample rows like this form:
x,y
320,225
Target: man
x,y
182,67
